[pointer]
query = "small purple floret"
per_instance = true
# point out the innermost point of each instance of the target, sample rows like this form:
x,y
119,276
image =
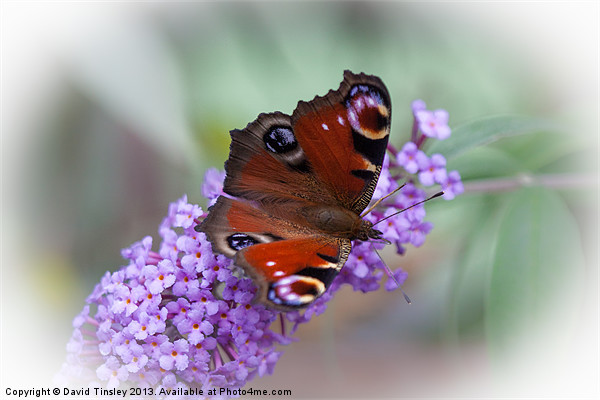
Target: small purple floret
x,y
434,123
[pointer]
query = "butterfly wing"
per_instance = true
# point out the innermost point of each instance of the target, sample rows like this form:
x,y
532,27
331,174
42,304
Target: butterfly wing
x,y
344,136
268,167
293,273
291,265
330,150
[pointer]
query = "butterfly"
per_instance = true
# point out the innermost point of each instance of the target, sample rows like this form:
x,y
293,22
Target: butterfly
x,y
296,186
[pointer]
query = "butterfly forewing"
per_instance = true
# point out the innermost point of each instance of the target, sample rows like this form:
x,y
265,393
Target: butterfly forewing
x,y
267,165
344,136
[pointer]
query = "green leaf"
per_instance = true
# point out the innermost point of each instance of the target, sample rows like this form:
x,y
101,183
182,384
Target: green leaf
x,y
488,130
537,260
471,269
485,162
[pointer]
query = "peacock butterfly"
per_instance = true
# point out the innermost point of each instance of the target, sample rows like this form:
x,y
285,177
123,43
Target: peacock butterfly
x,y
298,185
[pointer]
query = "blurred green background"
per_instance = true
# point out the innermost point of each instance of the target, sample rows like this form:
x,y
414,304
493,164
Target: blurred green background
x,y
111,111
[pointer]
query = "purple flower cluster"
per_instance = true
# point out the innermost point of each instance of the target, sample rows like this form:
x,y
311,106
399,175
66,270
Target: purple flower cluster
x,y
183,317
430,170
179,317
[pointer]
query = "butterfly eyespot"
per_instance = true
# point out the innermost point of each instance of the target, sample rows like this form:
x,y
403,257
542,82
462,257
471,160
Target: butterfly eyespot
x,y
368,112
295,291
280,140
238,241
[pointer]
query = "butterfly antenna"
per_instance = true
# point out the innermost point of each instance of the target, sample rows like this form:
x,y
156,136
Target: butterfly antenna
x,y
391,275
438,194
382,199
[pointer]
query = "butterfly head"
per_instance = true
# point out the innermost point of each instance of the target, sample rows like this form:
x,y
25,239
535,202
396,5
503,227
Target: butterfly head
x,y
367,232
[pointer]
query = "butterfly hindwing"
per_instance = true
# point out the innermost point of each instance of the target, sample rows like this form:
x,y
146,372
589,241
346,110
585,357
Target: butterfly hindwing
x,y
292,265
293,273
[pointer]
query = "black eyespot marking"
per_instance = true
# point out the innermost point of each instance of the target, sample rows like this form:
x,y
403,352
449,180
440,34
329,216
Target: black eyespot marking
x,y
238,241
280,139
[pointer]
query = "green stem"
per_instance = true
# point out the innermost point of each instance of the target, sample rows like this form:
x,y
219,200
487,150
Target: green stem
x,y
551,181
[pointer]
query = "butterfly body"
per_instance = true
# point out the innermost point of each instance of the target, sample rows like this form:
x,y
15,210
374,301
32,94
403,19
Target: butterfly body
x,y
296,188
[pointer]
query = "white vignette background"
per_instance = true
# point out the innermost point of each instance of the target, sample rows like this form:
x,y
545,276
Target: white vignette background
x,y
562,37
